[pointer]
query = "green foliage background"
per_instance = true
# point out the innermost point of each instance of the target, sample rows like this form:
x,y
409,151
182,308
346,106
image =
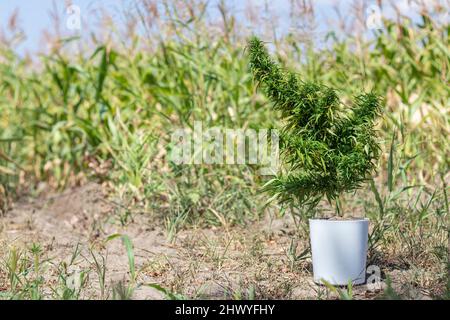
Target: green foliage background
x,y
107,113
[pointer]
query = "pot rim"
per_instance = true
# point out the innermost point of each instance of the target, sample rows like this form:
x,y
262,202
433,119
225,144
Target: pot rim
x,y
341,221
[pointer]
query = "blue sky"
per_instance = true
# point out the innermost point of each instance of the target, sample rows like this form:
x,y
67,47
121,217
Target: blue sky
x,y
34,15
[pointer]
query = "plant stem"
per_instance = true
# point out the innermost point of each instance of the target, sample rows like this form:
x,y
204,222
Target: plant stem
x,y
293,217
338,207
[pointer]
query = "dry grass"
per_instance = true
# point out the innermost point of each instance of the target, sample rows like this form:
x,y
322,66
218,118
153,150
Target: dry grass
x,y
263,260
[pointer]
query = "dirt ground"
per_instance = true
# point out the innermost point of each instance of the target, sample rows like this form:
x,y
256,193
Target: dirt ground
x,y
261,260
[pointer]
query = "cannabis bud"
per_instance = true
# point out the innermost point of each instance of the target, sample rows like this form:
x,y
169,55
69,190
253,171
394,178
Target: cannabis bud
x,y
327,147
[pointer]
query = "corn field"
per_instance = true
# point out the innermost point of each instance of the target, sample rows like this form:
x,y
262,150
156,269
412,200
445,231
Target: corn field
x,y
100,108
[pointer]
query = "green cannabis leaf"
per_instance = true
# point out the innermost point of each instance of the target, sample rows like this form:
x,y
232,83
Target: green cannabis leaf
x,y
327,148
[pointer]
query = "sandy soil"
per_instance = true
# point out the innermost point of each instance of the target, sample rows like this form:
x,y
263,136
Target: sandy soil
x,y
240,262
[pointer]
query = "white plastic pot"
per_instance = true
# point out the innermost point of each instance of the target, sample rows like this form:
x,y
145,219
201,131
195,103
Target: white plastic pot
x,y
339,250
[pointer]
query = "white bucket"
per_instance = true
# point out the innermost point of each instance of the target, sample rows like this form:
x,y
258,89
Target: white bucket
x,y
339,250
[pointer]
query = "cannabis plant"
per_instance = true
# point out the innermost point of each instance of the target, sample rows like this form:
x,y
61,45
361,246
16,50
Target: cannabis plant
x,y
327,147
